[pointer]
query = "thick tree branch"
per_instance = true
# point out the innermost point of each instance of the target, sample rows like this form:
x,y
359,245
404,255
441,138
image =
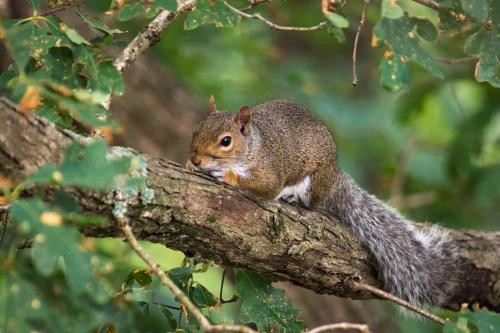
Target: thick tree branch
x,y
193,214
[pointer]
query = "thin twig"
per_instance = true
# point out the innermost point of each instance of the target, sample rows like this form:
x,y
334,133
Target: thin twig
x,y
456,61
222,283
4,225
341,326
273,25
356,40
167,282
254,3
429,3
63,7
397,300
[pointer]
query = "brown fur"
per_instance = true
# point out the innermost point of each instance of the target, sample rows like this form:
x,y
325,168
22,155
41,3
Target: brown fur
x,y
279,144
269,142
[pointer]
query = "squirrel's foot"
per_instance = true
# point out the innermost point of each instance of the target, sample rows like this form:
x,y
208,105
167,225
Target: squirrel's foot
x,y
290,198
217,175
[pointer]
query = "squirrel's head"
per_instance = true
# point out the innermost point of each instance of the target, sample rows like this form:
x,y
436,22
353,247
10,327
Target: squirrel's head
x,y
220,139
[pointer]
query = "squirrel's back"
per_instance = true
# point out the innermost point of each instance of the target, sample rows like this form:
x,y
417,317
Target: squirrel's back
x,y
414,265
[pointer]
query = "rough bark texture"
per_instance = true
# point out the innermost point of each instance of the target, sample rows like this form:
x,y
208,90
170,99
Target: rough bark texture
x,y
193,214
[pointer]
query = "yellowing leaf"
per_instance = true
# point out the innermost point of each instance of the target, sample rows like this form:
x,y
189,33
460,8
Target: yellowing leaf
x,y
51,218
30,99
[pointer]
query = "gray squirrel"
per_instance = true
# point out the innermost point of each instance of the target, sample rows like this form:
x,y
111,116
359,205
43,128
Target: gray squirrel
x,y
280,150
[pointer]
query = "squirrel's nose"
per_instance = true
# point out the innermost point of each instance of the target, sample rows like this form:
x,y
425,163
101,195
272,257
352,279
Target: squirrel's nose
x,y
195,160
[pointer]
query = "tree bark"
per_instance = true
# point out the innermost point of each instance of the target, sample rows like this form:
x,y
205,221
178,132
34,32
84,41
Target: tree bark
x,y
192,213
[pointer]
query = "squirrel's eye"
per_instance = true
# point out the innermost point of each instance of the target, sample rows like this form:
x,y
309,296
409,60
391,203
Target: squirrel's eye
x,y
226,141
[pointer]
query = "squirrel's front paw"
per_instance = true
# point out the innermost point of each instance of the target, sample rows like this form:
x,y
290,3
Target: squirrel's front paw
x,y
217,175
225,176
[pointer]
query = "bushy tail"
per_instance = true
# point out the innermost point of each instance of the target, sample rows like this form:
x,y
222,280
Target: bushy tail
x,y
414,265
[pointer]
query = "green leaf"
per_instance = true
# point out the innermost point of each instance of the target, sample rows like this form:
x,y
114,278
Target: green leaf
x,y
394,73
335,32
391,9
473,43
477,321
75,37
337,20
399,37
141,276
265,305
56,247
169,318
202,297
170,5
211,12
180,276
34,3
486,321
96,24
452,18
129,11
486,44
456,327
426,29
84,166
477,9
26,41
108,79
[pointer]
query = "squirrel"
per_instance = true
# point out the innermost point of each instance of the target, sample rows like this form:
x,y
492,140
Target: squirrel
x,y
280,150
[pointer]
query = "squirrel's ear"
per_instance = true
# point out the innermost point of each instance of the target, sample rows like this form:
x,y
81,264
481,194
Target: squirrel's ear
x,y
211,105
243,118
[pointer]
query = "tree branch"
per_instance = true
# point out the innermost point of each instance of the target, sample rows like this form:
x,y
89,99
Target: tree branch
x,y
273,25
193,214
356,41
147,38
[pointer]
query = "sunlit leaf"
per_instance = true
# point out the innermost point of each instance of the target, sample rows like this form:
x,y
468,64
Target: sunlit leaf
x,y
394,73
85,166
211,12
477,9
399,37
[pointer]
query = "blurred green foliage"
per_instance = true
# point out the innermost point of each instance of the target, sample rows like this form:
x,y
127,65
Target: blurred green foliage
x,y
436,116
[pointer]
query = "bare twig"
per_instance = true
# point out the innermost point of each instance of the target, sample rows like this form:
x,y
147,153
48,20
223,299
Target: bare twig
x,y
147,38
179,295
456,61
63,7
3,210
429,3
341,326
254,3
233,298
356,40
273,25
397,300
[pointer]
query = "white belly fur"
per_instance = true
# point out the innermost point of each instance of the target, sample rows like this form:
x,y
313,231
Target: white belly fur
x,y
297,193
